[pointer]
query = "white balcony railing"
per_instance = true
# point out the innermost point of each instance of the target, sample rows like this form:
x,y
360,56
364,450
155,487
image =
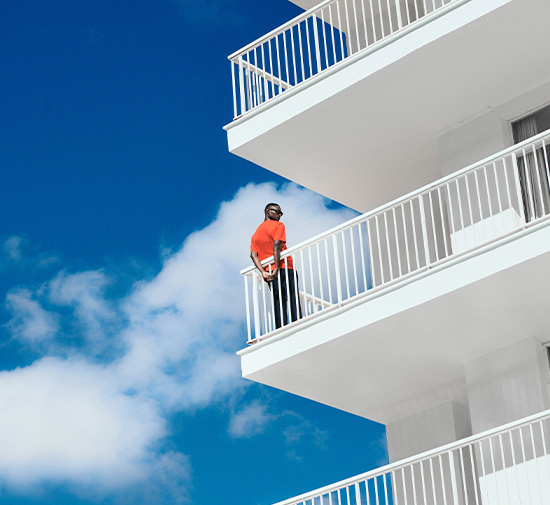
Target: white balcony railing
x,y
509,465
315,41
458,213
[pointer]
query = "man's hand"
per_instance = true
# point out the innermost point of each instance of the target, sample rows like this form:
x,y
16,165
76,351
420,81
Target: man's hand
x,y
271,275
267,276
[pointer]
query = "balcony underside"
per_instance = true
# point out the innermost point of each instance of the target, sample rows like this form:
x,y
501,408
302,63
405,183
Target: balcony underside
x,y
383,111
401,351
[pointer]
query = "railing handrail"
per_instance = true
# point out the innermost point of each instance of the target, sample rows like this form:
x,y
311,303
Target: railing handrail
x,y
418,458
509,150
278,30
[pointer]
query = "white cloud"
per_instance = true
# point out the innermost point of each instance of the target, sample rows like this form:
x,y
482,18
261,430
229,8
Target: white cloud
x,y
67,420
85,293
17,251
12,248
250,420
299,430
174,338
30,322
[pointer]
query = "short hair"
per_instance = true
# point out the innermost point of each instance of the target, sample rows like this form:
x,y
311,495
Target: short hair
x,y
270,205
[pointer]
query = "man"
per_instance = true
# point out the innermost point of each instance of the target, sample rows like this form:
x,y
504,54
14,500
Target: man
x,y
270,240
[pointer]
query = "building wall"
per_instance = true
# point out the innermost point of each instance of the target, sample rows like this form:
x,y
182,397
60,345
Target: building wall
x,y
427,430
487,133
508,384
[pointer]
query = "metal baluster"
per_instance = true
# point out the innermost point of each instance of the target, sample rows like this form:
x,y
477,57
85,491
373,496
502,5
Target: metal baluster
x,y
293,54
434,232
354,261
317,43
356,26
287,69
328,271
390,22
414,235
499,197
301,52
247,301
344,251
482,224
309,48
278,51
363,263
491,452
319,273
424,230
324,37
518,188
332,28
397,250
349,31
232,64
371,263
379,249
474,481
535,456
406,236
443,222
312,279
364,23
340,30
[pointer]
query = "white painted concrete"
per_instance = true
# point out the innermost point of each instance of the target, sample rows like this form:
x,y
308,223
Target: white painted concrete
x,y
508,383
479,137
427,430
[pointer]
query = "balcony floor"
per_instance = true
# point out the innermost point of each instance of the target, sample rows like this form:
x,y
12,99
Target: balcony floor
x,y
411,340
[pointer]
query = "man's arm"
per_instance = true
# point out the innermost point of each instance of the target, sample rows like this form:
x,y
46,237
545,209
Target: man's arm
x,y
256,260
276,258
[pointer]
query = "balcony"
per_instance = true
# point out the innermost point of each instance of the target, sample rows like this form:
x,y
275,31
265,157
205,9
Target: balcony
x,y
374,84
509,465
395,301
316,41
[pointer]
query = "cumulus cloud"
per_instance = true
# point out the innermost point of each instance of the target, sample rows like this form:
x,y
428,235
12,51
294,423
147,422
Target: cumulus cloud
x,y
18,251
83,417
30,322
12,248
68,420
299,430
250,420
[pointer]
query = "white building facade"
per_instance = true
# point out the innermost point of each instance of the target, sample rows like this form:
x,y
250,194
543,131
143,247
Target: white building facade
x,y
430,312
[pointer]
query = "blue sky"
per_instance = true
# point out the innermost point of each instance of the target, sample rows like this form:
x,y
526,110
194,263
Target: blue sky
x,y
124,224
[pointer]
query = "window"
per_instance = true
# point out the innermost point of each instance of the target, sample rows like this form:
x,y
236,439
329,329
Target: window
x,y
534,173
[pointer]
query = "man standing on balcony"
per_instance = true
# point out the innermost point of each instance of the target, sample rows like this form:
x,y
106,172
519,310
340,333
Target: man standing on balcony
x,y
270,240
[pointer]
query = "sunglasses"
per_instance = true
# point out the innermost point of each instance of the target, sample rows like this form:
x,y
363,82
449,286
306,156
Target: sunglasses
x,y
277,211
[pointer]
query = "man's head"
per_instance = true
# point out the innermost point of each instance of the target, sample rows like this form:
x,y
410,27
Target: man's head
x,y
273,212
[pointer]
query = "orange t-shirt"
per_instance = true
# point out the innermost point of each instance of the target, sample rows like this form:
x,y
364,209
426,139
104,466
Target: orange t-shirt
x,y
264,238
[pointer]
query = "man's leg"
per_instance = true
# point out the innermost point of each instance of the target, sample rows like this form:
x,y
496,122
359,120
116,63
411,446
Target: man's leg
x,y
276,302
295,308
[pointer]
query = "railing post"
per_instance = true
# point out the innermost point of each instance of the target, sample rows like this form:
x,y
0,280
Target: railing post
x,y
453,478
316,41
247,299
256,306
398,10
518,188
337,268
241,85
357,494
424,230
